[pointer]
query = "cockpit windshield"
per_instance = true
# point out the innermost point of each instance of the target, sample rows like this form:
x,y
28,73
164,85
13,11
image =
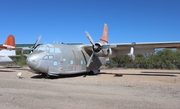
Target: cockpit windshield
x,y
41,48
48,48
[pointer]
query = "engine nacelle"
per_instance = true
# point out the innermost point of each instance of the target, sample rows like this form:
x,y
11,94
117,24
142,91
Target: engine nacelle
x,y
104,52
131,56
101,50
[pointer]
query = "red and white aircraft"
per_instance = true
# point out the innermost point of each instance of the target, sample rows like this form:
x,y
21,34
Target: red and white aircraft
x,y
4,52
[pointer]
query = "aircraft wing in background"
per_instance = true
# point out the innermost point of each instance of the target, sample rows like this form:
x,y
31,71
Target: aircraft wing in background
x,y
105,49
28,47
143,47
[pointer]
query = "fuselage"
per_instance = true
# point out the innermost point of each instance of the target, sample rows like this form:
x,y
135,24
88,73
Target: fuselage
x,y
55,59
4,55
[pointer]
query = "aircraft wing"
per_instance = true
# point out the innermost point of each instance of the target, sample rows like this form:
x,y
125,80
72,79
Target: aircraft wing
x,y
105,49
17,48
29,47
20,48
143,47
139,47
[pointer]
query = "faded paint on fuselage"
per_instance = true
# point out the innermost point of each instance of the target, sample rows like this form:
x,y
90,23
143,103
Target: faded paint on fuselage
x,y
55,59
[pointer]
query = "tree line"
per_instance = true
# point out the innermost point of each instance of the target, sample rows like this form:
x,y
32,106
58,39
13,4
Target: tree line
x,y
161,59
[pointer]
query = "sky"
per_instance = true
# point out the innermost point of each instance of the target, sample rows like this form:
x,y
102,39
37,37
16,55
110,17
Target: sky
x,y
67,20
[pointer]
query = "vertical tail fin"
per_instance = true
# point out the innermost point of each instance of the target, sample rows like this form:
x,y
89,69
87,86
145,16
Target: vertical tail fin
x,y
105,34
10,41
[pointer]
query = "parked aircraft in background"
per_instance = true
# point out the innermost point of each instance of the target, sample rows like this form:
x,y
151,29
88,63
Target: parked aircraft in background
x,y
8,49
4,53
72,58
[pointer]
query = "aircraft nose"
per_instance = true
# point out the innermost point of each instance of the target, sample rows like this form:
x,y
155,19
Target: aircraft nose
x,y
32,62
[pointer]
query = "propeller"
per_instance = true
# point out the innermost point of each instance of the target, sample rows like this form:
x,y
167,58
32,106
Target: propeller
x,y
92,42
96,47
36,43
89,61
90,38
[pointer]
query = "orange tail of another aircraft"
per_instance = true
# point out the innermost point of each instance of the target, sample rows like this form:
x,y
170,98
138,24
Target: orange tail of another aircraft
x,y
105,34
10,41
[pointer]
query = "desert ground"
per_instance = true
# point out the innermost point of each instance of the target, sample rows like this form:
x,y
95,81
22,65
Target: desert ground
x,y
111,89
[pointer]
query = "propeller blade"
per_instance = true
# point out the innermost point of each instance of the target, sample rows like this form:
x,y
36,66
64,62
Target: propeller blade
x,y
89,61
89,37
36,43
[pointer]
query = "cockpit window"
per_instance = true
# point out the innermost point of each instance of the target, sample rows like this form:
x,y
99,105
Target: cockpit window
x,y
51,49
57,50
41,48
48,48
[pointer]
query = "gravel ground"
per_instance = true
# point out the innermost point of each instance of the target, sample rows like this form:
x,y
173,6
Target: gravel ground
x,y
111,89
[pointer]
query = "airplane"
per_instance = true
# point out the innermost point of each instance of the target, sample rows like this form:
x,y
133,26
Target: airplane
x,y
4,53
8,49
72,58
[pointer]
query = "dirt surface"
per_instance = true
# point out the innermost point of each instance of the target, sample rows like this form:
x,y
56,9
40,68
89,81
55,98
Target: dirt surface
x,y
111,89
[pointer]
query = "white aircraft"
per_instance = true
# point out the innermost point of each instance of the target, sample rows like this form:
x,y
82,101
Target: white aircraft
x,y
72,58
4,52
8,49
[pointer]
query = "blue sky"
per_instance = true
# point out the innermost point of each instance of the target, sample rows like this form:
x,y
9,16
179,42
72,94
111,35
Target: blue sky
x,y
66,20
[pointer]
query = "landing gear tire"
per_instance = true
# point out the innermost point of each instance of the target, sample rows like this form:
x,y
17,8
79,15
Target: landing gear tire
x,y
44,75
91,73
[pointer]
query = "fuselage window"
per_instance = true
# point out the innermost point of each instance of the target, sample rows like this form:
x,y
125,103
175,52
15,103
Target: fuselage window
x,y
81,62
50,57
71,62
45,57
55,63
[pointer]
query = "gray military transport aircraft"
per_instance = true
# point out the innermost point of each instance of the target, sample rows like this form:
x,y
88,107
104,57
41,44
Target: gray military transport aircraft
x,y
73,58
